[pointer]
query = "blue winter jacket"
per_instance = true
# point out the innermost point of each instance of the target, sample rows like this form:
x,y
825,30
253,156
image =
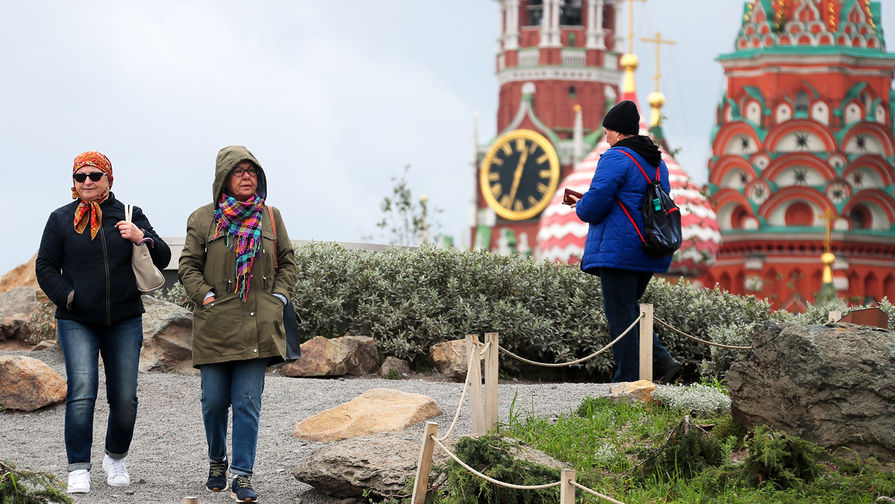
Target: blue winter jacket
x,y
612,241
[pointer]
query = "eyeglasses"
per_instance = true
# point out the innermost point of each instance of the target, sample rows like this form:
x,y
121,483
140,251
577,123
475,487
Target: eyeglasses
x,y
94,176
239,172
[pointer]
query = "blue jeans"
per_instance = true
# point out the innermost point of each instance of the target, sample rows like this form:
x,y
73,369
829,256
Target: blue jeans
x,y
81,344
622,290
238,384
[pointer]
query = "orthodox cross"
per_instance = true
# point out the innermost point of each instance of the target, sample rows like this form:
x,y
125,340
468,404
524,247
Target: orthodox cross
x,y
631,24
658,41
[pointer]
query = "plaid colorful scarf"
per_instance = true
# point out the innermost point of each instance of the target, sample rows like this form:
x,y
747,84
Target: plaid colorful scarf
x,y
89,211
240,221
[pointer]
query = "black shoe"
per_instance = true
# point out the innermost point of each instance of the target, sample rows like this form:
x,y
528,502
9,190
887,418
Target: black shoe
x,y
241,489
217,476
668,371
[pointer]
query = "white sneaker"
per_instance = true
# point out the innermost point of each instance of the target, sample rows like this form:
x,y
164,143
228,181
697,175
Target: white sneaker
x,y
116,472
79,481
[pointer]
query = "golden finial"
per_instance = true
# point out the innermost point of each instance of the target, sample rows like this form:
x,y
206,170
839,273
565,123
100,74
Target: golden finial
x,y
656,98
827,258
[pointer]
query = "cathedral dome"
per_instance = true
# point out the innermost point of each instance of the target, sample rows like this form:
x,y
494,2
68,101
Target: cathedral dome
x,y
561,234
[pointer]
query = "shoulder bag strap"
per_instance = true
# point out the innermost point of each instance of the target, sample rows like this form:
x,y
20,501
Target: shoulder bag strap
x,y
648,181
276,252
127,212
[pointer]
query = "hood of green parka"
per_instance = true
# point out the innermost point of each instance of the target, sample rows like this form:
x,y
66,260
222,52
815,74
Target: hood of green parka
x,y
228,158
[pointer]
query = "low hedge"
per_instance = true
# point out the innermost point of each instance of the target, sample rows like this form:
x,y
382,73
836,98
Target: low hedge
x,y
408,299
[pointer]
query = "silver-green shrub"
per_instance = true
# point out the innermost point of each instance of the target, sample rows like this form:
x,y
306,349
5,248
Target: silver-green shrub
x,y
696,399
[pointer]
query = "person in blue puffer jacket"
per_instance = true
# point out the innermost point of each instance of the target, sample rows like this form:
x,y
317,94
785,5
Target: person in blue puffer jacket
x,y
613,250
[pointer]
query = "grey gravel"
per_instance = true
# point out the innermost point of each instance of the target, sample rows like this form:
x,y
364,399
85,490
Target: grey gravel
x,y
167,461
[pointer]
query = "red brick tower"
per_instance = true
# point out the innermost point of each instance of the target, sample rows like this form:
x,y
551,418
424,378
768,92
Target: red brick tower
x,y
803,155
557,67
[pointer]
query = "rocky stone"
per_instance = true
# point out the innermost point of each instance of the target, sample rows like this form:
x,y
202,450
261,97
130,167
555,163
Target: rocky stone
x,y
374,411
167,337
451,359
45,345
22,275
19,300
640,390
382,465
400,366
378,464
351,355
27,384
15,327
833,385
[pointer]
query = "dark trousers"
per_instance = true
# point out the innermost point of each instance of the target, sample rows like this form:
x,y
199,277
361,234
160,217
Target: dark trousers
x,y
622,290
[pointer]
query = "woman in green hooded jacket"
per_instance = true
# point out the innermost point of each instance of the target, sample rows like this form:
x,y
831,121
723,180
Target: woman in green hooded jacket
x,y
240,275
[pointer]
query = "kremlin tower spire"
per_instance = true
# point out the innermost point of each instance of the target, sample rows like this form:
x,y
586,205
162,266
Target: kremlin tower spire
x,y
802,170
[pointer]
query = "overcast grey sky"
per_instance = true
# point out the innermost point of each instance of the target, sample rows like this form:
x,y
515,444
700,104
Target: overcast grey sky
x,y
334,98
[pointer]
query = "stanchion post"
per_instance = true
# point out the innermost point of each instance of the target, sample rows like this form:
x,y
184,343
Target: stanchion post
x,y
424,465
833,316
566,489
646,342
491,366
474,375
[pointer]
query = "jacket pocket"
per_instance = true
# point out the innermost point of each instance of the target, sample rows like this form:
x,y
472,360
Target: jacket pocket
x,y
217,327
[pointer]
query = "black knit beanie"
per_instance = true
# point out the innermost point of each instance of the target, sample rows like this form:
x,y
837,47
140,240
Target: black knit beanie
x,y
623,117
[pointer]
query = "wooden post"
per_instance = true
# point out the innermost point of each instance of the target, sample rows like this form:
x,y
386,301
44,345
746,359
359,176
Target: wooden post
x,y
491,366
566,489
646,342
833,316
424,465
190,500
476,411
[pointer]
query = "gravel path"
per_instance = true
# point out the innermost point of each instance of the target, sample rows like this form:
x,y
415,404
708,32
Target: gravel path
x,y
167,460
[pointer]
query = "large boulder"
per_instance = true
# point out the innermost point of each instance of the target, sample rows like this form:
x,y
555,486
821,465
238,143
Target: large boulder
x,y
351,355
451,358
27,384
382,465
393,365
167,337
378,464
374,411
25,318
833,385
21,275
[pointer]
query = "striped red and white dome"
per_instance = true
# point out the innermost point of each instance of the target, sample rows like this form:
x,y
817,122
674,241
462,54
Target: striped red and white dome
x,y
561,234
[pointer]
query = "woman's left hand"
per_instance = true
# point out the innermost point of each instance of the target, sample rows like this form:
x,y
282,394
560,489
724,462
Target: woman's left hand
x,y
129,231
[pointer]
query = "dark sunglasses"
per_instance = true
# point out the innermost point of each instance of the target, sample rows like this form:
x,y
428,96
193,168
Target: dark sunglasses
x,y
81,177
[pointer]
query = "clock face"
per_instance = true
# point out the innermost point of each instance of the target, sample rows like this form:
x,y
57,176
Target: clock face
x,y
519,175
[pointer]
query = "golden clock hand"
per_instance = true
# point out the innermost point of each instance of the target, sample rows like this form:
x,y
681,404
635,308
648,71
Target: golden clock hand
x,y
517,175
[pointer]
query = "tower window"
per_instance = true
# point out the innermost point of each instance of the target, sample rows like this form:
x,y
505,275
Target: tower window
x,y
860,217
802,102
570,12
572,92
535,12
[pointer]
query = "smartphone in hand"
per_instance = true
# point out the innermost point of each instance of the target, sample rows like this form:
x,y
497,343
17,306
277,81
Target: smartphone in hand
x,y
567,197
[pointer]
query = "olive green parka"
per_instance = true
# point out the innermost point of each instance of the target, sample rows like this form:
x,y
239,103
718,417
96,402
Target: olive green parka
x,y
229,329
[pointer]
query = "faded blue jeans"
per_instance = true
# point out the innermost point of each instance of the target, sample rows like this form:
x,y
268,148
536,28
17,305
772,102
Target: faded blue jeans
x,y
238,384
81,344
622,290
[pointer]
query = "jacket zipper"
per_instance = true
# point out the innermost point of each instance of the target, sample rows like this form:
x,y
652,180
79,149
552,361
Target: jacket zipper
x,y
102,235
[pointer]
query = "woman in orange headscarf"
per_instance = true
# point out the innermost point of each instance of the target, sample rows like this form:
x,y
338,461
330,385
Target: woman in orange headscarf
x,y
84,267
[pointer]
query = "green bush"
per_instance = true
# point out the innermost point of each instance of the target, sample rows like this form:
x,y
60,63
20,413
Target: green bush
x,y
407,299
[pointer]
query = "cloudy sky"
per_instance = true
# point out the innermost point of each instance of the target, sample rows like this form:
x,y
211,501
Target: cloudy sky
x,y
334,98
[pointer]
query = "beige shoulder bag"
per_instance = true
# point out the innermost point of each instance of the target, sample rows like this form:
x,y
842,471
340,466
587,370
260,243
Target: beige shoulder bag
x,y
149,278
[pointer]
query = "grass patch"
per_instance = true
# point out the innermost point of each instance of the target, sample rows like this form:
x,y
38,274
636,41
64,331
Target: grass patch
x,y
640,453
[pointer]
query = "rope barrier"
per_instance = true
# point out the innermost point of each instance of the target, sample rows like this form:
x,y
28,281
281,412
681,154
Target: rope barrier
x,y
484,349
577,361
682,333
598,494
490,479
472,358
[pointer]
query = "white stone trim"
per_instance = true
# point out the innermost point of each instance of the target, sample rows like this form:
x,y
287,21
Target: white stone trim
x,y
516,74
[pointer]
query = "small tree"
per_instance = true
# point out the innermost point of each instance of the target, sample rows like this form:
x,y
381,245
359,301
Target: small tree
x,y
405,220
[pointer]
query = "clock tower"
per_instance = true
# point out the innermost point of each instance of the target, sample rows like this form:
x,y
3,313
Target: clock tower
x,y
557,68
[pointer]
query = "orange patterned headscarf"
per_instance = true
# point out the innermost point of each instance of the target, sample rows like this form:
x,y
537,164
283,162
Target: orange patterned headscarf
x,y
89,211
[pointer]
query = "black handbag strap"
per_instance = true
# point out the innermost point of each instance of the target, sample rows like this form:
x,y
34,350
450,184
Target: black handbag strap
x,y
276,249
